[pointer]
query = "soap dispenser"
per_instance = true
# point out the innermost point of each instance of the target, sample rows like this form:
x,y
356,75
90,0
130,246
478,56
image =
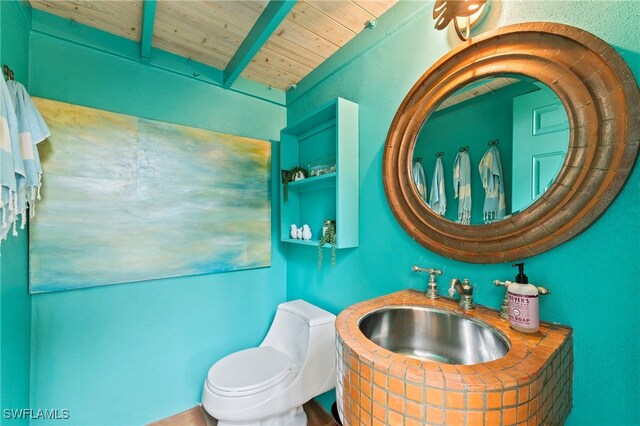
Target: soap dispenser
x,y
524,313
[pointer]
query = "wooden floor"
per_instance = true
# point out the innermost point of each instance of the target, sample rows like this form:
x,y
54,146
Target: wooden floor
x,y
197,416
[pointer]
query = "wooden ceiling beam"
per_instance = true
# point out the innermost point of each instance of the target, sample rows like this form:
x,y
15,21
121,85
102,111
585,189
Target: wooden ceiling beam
x,y
148,21
272,16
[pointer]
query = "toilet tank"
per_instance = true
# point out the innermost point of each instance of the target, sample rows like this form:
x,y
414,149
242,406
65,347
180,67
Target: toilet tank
x,y
294,324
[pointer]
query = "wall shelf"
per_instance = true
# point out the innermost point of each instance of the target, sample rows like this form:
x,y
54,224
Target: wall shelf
x,y
314,183
331,130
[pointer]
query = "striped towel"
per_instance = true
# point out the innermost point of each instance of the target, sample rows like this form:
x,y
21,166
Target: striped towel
x,y
33,130
420,180
495,206
21,129
438,199
12,174
462,186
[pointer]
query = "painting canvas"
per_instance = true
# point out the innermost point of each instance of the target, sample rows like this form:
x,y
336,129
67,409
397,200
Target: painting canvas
x,y
128,199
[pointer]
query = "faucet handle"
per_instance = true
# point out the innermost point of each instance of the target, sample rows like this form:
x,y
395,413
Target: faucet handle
x,y
542,291
430,271
432,288
504,284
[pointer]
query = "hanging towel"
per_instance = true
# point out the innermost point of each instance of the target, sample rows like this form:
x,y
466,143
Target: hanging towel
x,y
32,130
12,174
462,186
438,199
420,180
495,206
21,128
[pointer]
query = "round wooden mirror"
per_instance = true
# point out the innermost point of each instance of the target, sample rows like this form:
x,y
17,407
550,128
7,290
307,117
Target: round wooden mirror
x,y
602,102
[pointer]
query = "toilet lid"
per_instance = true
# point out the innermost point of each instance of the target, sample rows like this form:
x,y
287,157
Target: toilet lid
x,y
250,370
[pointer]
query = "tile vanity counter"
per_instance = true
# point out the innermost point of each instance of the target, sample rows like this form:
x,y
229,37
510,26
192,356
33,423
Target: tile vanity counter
x,y
531,384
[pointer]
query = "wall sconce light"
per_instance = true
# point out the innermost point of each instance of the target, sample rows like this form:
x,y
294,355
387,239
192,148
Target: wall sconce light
x,y
464,14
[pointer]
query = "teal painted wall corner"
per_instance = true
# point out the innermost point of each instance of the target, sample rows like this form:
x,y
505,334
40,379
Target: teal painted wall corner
x,y
132,353
15,303
577,272
146,347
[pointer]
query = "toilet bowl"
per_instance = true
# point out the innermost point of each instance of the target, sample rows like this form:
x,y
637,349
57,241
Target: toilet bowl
x,y
267,385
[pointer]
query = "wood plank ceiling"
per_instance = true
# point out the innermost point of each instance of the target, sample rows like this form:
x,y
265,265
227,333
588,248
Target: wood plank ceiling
x,y
211,32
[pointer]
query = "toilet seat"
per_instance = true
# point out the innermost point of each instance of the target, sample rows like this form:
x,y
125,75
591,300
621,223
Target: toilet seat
x,y
249,371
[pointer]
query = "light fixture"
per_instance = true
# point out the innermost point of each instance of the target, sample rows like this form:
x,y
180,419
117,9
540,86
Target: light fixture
x,y
464,14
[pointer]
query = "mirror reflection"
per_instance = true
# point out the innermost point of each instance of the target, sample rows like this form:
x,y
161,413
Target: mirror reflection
x,y
490,149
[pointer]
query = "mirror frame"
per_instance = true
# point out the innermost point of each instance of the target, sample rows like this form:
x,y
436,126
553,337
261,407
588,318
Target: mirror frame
x,y
602,101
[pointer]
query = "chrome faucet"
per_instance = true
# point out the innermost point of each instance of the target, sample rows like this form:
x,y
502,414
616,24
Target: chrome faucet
x,y
432,287
465,289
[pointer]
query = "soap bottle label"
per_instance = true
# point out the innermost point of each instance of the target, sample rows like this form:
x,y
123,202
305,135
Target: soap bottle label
x,y
523,310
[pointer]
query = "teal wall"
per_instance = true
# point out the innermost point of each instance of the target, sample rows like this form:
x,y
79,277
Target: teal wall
x,y
133,353
15,303
581,273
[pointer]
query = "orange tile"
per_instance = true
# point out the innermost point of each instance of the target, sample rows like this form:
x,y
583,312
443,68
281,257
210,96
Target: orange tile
x,y
454,417
365,418
354,378
354,364
454,381
494,400
355,395
381,363
415,374
509,416
377,422
435,397
365,404
379,412
492,418
475,418
413,392
398,369
454,399
395,418
509,398
411,422
435,379
396,403
365,371
522,412
396,386
366,388
379,396
435,416
475,400
355,411
380,379
414,410
523,394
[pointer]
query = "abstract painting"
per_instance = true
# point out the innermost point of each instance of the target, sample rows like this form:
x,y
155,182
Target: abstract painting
x,y
128,199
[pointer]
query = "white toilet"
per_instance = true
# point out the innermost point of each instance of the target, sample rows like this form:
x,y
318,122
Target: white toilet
x,y
267,385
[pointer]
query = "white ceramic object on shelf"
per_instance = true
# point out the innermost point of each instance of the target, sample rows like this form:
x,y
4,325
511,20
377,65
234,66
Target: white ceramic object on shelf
x,y
306,232
294,231
267,385
299,233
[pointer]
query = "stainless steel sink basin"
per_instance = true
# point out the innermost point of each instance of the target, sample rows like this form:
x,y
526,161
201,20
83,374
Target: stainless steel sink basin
x,y
434,335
